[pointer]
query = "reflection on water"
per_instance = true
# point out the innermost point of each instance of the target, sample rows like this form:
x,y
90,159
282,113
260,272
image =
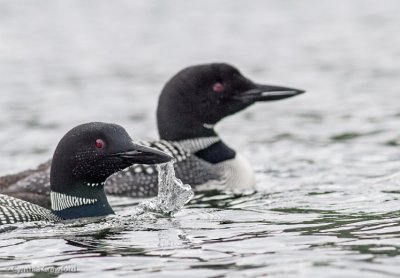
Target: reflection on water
x,y
327,192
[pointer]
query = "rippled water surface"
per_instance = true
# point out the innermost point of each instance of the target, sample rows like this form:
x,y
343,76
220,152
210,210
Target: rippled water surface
x,y
327,200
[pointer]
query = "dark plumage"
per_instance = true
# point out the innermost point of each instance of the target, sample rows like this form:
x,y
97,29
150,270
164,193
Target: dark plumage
x,y
190,104
84,158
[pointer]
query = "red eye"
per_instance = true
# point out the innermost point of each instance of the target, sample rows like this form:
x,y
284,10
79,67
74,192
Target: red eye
x,y
99,144
218,87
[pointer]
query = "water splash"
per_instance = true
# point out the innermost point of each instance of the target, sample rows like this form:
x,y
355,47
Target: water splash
x,y
172,193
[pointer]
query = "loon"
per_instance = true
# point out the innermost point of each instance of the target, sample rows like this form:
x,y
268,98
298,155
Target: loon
x,y
84,158
191,103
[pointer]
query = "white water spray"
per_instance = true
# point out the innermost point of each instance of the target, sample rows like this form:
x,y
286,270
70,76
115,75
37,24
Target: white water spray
x,y
172,193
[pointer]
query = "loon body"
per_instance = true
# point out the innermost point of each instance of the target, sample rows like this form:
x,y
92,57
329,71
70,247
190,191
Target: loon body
x,y
191,103
83,160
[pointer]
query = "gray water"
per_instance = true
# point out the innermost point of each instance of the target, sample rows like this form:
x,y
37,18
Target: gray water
x,y
327,200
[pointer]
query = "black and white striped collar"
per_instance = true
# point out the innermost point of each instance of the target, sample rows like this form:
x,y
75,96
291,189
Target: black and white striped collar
x,y
60,201
197,144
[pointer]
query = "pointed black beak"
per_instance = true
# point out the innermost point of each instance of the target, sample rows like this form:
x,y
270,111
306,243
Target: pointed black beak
x,y
268,93
144,155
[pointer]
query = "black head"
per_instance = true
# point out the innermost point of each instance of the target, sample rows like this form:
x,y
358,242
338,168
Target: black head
x,y
90,153
198,97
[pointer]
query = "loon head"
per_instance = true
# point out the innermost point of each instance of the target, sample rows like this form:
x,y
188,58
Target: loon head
x,y
84,158
198,97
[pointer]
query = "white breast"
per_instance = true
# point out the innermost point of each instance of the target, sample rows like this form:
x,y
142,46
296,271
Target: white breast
x,y
237,173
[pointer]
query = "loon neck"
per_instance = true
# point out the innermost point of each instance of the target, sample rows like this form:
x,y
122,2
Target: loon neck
x,y
184,131
180,125
211,149
87,200
177,125
216,153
